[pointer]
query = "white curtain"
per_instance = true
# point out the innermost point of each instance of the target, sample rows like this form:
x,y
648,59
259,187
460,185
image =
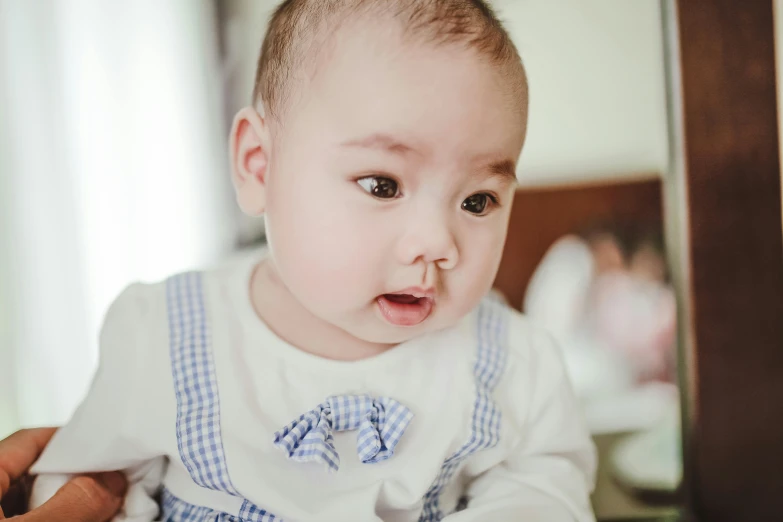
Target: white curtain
x,y
112,169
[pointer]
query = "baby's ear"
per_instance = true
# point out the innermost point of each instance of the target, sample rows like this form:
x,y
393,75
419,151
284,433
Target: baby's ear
x,y
249,146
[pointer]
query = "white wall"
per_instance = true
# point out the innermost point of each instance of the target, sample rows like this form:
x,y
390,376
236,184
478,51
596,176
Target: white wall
x,y
597,87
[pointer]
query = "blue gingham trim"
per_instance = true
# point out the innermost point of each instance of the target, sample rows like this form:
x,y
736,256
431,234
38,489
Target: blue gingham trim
x,y
177,510
485,425
198,406
381,423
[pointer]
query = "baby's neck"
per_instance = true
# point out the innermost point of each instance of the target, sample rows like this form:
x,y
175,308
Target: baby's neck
x,y
290,321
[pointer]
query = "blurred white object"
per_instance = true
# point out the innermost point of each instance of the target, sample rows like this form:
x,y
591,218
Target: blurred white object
x,y
114,170
614,329
652,459
635,409
557,291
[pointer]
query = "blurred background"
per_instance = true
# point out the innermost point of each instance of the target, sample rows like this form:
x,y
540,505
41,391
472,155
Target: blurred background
x,y
113,169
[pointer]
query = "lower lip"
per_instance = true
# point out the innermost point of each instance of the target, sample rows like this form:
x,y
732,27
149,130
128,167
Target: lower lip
x,y
402,314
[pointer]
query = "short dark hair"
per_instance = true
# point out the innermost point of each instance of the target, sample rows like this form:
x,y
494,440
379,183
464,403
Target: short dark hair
x,y
289,37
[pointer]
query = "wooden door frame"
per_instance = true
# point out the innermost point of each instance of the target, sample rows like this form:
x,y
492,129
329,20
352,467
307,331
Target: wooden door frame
x,y
723,213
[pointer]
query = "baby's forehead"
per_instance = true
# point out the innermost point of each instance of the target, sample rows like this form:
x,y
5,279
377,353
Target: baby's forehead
x,y
304,38
413,108
377,55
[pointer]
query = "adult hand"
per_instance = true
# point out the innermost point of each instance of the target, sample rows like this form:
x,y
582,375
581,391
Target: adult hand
x,y
85,498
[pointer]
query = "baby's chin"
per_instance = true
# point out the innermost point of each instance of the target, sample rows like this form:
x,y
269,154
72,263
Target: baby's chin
x,y
382,333
393,337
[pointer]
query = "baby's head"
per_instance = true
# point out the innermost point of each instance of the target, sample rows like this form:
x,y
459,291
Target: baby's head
x,y
382,148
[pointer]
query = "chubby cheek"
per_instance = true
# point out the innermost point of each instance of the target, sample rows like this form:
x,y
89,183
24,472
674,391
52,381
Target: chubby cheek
x,y
327,256
480,257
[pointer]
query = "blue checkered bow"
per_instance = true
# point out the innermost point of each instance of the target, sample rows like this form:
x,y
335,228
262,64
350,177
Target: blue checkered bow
x,y
380,422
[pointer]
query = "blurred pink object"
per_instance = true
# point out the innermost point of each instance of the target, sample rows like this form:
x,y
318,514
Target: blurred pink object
x,y
615,319
636,318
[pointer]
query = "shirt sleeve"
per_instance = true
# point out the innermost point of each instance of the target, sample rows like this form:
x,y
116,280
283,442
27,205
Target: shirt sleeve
x,y
550,471
107,430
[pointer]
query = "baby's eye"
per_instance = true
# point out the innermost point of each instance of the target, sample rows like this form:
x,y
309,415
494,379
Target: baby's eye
x,y
478,204
380,187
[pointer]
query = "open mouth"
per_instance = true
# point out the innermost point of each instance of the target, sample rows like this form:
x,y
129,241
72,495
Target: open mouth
x,y
404,309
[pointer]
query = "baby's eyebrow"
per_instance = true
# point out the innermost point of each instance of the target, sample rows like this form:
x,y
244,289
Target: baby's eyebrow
x,y
382,142
504,169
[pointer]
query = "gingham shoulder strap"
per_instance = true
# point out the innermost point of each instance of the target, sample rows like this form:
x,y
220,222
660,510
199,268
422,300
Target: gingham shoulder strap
x,y
195,383
490,363
199,437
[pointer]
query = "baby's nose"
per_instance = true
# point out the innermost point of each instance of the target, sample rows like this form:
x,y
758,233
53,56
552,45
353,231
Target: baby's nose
x,y
430,241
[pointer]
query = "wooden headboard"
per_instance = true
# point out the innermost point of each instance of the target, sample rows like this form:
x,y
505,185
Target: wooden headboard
x,y
541,215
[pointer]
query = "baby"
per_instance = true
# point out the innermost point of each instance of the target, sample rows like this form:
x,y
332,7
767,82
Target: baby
x,y
355,371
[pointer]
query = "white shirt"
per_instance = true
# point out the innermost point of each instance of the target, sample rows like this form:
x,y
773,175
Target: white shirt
x,y
540,469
